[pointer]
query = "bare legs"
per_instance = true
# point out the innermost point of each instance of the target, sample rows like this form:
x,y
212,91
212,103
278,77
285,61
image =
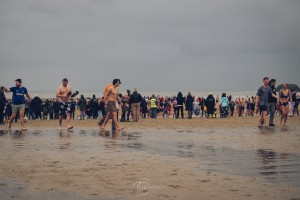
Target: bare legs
x,y
68,121
263,118
114,114
284,116
21,112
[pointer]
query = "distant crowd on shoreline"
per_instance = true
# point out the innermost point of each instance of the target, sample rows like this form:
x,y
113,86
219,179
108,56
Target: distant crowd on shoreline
x,y
134,106
165,107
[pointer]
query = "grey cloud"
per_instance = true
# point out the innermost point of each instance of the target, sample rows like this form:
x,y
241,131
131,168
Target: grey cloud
x,y
155,45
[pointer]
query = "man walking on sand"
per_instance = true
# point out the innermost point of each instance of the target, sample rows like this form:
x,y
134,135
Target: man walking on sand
x,y
64,93
18,102
135,100
262,97
111,96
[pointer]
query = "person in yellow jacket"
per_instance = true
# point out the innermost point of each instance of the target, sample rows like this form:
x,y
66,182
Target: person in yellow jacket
x,y
153,106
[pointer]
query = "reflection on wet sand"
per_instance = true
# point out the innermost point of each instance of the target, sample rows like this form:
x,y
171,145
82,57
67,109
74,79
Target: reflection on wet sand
x,y
206,148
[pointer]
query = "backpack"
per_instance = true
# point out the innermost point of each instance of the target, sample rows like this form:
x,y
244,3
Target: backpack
x,y
106,88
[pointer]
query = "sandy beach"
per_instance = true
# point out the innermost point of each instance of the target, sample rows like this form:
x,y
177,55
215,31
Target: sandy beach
x,y
153,159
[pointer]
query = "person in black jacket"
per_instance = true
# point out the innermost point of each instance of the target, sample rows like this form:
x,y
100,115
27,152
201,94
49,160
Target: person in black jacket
x,y
180,102
210,105
3,102
272,102
144,107
189,105
135,101
129,108
102,107
56,109
94,105
37,107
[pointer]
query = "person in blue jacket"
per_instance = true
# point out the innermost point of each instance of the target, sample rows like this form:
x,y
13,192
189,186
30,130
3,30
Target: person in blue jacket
x,y
224,102
18,102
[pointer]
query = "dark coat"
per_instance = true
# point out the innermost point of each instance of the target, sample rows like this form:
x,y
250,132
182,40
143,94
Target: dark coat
x,y
210,104
189,102
3,100
135,98
37,104
144,106
180,100
82,104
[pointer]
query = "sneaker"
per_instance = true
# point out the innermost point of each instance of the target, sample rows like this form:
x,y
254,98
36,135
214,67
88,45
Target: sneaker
x,y
271,124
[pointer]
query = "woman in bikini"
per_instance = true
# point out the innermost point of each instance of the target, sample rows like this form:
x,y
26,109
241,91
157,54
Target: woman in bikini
x,y
284,98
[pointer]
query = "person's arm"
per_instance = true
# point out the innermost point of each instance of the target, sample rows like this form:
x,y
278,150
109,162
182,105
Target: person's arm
x,y
70,92
291,97
273,95
107,93
257,100
27,95
6,90
280,91
119,100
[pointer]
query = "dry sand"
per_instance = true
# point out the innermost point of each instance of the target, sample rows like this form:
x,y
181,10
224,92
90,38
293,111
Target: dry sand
x,y
138,163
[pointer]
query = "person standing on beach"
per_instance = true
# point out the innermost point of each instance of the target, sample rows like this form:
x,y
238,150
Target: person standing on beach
x,y
153,106
82,106
285,97
224,105
111,96
180,101
210,104
64,93
272,102
189,105
135,101
3,102
18,102
262,97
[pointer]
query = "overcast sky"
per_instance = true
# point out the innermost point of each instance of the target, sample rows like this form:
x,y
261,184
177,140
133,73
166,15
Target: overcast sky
x,y
154,45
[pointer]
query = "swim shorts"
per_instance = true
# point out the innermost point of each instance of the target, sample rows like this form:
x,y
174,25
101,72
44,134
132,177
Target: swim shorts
x,y
111,106
64,107
263,108
16,108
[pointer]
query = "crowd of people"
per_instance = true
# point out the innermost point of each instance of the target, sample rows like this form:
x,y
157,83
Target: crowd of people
x,y
131,106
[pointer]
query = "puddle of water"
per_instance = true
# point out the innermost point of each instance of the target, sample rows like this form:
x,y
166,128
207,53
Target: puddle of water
x,y
281,168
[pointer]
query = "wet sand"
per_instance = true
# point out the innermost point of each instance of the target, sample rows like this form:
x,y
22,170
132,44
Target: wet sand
x,y
152,159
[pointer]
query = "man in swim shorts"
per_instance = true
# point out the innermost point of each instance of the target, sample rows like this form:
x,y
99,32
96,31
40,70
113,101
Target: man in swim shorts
x,y
111,96
64,93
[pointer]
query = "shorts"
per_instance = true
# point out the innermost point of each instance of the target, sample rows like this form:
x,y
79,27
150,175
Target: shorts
x,y
64,107
16,108
111,106
263,108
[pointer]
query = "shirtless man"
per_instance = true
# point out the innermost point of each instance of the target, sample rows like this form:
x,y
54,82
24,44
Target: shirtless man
x,y
64,93
111,96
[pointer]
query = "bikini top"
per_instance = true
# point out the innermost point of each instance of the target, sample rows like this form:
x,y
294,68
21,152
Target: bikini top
x,y
285,96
